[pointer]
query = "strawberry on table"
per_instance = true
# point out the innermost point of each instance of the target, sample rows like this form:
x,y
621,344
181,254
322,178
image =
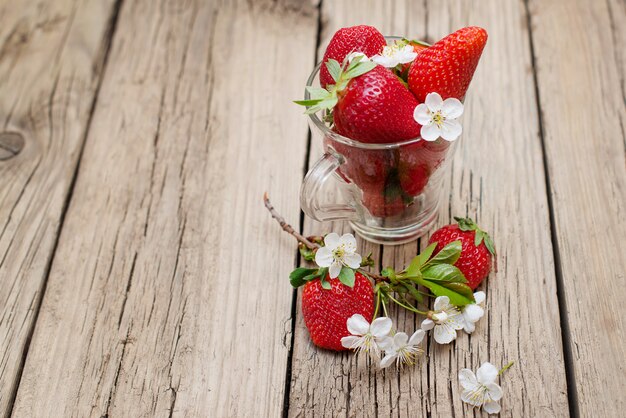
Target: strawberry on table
x,y
448,66
365,39
477,251
326,311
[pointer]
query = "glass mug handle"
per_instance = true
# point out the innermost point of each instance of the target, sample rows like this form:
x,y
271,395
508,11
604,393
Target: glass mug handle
x,y
312,187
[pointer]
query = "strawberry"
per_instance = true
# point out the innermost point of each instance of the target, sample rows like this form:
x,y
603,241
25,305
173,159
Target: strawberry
x,y
369,102
448,66
414,169
325,311
376,108
477,251
362,38
382,206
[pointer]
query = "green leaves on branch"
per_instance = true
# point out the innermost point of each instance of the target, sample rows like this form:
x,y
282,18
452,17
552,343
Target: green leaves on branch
x,y
467,224
320,98
302,275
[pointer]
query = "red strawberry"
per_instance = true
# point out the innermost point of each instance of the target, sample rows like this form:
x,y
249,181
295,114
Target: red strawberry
x,y
477,249
362,38
325,312
380,205
414,168
376,108
448,66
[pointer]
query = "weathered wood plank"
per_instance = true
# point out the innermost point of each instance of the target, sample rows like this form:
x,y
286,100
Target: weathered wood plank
x,y
584,117
498,179
51,57
164,297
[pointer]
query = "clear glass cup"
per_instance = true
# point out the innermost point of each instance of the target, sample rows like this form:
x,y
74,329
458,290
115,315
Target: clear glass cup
x,y
389,192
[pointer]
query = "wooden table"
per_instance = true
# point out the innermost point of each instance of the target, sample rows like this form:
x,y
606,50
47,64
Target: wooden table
x,y
140,274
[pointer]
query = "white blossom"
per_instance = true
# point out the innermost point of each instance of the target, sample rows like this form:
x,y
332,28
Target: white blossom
x,y
481,389
366,336
401,349
338,252
473,312
395,54
438,117
446,320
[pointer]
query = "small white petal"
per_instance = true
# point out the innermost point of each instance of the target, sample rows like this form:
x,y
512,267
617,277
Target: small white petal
x,y
417,337
479,297
440,317
358,325
467,379
487,373
388,62
406,54
456,321
452,108
451,129
434,101
430,132
491,407
427,324
386,344
444,334
422,115
400,339
495,391
473,312
349,241
350,341
442,303
468,397
388,360
324,257
334,269
381,327
469,327
352,260
331,240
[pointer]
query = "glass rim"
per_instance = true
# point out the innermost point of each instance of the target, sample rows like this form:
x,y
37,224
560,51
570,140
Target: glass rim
x,y
343,139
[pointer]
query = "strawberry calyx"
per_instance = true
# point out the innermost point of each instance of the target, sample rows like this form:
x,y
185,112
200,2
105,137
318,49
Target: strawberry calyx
x,y
467,224
320,98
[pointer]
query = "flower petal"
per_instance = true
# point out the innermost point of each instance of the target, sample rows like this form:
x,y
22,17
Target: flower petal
x,y
491,407
495,391
331,241
487,373
388,62
422,115
358,325
451,129
442,303
444,334
334,269
400,339
348,241
406,54
417,337
427,324
456,321
469,327
324,257
352,260
473,312
440,317
381,327
479,297
430,132
467,379
350,341
452,108
388,360
386,344
469,397
434,101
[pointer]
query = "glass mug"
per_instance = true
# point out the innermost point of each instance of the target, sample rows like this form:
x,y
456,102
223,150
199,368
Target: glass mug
x,y
389,192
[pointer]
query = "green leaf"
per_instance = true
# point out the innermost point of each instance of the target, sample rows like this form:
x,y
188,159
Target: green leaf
x,y
460,294
346,276
448,254
311,102
306,253
334,69
465,224
443,273
359,69
298,277
413,291
325,283
489,245
420,259
388,272
317,92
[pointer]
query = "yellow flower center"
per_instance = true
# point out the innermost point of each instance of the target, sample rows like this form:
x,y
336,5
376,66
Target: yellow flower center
x,y
438,119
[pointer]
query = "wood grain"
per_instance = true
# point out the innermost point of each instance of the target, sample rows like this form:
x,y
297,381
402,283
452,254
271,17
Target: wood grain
x,y
583,108
169,293
498,179
51,58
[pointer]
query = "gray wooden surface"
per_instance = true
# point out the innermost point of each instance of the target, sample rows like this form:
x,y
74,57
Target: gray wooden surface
x,y
141,276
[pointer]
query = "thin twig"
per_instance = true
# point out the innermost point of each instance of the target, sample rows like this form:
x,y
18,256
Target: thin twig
x,y
286,227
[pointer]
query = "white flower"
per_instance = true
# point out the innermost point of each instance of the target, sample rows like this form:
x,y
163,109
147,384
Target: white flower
x,y
402,349
481,389
438,117
338,252
353,55
446,320
473,312
365,336
394,55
